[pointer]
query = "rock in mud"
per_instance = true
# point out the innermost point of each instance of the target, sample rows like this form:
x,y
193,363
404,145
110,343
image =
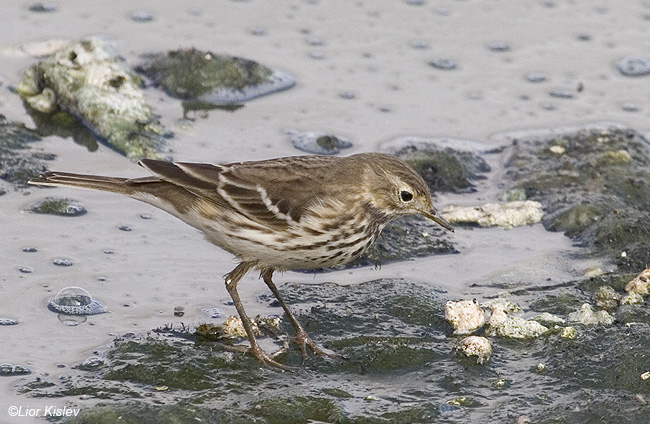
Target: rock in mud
x,y
633,66
406,238
505,215
475,348
11,370
18,161
594,185
640,284
192,74
587,316
319,143
86,80
443,163
502,324
58,206
465,316
606,297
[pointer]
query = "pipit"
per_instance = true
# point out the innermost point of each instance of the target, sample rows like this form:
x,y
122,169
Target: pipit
x,y
299,212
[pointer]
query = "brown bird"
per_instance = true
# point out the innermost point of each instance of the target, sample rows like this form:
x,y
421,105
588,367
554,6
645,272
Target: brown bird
x,y
300,212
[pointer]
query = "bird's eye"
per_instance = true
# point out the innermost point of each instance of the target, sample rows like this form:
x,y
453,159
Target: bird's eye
x,y
406,196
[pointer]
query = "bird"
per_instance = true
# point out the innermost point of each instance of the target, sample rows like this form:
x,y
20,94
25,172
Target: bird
x,y
296,212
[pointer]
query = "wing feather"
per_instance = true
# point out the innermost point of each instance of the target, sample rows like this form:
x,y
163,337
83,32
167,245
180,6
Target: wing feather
x,y
273,193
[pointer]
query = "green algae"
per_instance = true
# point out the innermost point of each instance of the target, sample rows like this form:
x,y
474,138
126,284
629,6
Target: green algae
x,y
192,74
58,206
142,413
297,410
86,80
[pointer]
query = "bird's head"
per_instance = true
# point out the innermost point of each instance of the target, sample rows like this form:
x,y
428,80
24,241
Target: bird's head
x,y
397,190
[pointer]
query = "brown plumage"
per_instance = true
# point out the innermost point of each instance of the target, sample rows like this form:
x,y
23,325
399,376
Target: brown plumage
x,y
289,213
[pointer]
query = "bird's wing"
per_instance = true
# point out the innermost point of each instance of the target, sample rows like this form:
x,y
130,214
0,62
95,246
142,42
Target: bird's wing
x,y
274,193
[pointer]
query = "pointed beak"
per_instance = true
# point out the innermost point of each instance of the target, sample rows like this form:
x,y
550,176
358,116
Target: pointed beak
x,y
435,217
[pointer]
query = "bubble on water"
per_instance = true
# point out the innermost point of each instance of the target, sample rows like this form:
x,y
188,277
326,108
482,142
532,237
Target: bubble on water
x,y
75,301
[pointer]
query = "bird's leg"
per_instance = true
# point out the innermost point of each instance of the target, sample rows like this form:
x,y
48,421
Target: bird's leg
x,y
231,279
301,335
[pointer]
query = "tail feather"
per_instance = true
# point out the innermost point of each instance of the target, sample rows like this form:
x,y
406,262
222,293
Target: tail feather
x,y
90,182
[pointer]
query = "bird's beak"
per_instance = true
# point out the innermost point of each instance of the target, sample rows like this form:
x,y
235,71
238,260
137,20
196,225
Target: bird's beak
x,y
435,217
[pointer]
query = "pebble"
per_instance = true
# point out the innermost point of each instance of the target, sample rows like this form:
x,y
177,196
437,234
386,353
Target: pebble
x,y
315,41
8,369
443,63
464,316
142,16
630,107
587,316
547,318
61,207
503,325
8,321
62,262
213,312
257,31
91,363
633,66
475,347
42,8
561,93
499,46
606,298
536,77
320,143
505,215
640,284
420,44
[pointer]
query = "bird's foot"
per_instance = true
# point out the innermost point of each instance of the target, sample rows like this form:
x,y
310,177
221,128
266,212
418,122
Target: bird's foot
x,y
269,361
304,341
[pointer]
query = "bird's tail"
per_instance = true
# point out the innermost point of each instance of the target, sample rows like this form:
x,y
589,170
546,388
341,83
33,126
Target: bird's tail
x,y
90,182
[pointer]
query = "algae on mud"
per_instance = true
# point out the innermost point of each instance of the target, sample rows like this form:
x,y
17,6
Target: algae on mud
x,y
86,80
192,74
594,183
400,368
18,161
